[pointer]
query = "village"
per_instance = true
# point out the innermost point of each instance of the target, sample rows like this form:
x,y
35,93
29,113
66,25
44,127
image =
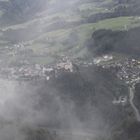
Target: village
x,y
127,70
36,71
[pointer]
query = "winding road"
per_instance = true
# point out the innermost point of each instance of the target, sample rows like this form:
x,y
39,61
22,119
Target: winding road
x,y
131,98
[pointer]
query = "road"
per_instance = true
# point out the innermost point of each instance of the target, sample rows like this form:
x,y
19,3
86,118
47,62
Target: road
x,y
131,98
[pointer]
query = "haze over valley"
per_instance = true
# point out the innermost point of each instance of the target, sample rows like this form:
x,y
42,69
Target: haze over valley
x,y
69,70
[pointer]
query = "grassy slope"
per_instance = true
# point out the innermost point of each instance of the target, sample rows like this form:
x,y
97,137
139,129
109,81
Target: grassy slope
x,y
53,44
83,32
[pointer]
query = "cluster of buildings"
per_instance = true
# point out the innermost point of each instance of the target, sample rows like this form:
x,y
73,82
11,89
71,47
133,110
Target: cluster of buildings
x,y
127,70
101,59
37,71
120,100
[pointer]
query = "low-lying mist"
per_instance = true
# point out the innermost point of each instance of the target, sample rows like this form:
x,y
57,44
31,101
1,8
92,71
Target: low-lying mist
x,y
32,106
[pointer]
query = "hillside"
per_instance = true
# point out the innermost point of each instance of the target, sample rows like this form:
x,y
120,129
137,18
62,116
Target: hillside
x,y
69,69
57,30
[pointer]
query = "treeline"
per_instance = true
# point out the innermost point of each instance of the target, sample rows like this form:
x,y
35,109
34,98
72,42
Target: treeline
x,y
20,10
121,8
106,41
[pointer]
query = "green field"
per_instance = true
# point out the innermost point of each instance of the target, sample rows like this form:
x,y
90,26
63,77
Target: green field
x,y
52,42
68,41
